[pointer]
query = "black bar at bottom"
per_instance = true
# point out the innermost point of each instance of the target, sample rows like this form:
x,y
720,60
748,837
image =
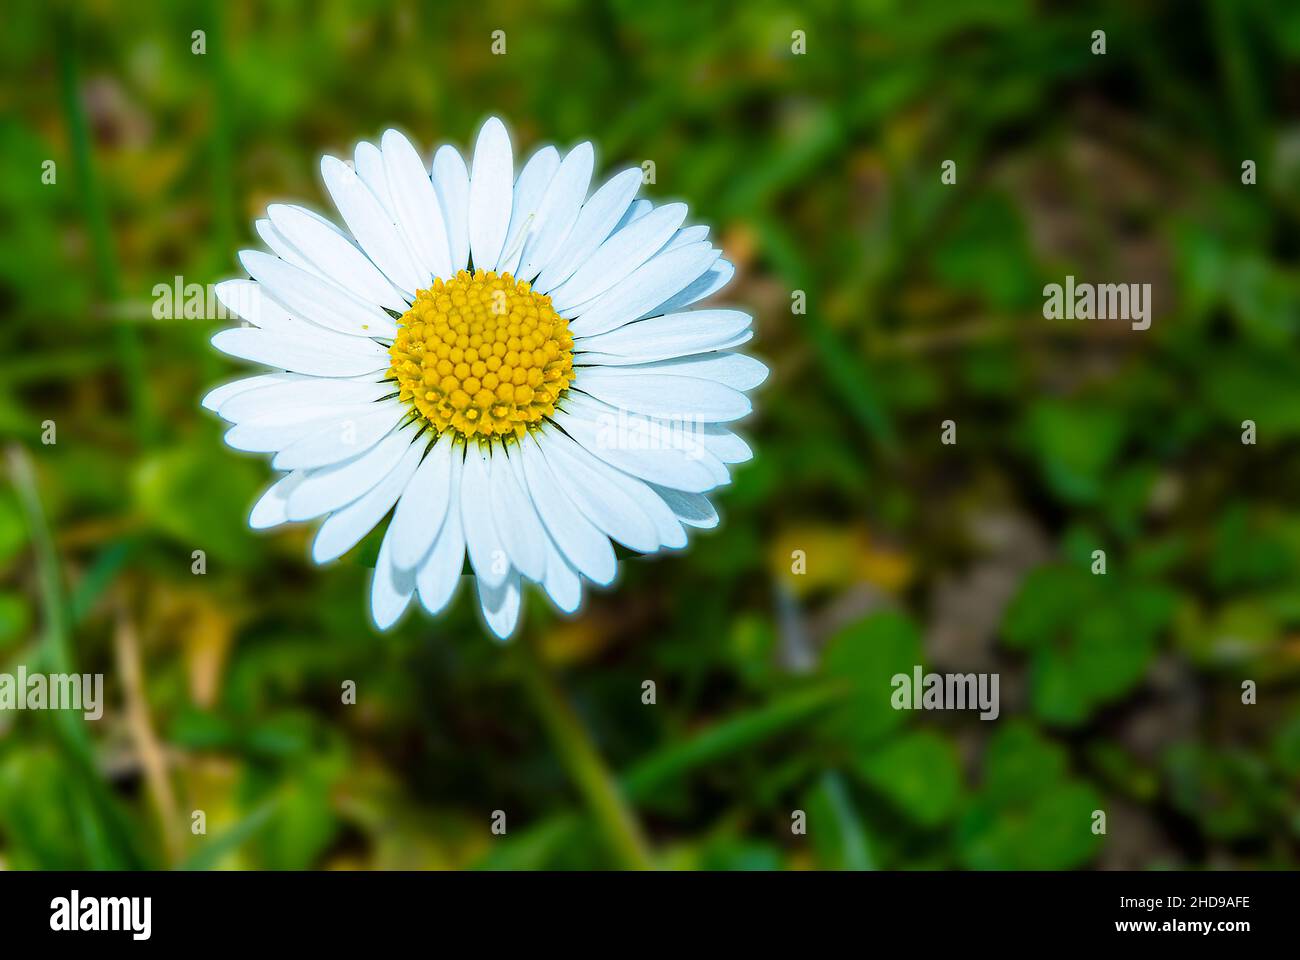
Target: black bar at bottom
x,y
334,909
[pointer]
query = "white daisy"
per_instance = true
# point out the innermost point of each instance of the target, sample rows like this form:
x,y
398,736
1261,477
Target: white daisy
x,y
507,364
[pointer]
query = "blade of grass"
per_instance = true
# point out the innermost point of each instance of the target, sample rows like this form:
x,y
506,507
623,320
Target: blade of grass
x,y
130,356
729,737
98,577
210,855
666,766
106,830
617,822
842,845
140,728
224,220
845,371
534,848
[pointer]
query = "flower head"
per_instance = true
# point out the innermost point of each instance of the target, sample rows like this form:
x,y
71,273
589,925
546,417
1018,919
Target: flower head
x,y
507,364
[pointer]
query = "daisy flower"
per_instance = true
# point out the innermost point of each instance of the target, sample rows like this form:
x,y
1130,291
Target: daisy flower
x,y
505,363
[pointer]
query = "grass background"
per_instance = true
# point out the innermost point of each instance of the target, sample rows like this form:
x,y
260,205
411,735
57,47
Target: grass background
x,y
819,173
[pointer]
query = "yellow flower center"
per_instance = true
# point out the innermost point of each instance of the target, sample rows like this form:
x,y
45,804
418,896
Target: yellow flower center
x,y
482,355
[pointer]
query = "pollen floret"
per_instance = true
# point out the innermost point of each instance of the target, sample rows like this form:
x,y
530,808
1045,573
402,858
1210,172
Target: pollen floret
x,y
482,355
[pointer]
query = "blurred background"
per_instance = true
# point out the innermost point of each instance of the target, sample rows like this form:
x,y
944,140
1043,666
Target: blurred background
x,y
820,172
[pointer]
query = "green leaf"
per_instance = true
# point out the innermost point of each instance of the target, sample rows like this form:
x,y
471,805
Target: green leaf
x,y
865,657
739,853
1286,747
303,821
918,773
1029,815
1234,634
1075,445
1017,760
200,496
38,810
985,253
1227,793
1089,637
1260,385
1246,552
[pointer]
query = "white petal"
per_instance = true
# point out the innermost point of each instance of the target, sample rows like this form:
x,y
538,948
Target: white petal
x,y
721,475
416,205
451,181
501,605
295,355
674,335
668,530
335,256
368,162
687,235
667,526
616,258
312,392
736,370
723,444
440,572
372,224
334,487
309,297
594,358
578,539
487,554
595,223
491,193
530,190
633,445
270,509
651,283
391,589
691,508
559,210
618,429
593,487
705,286
518,526
346,436
687,399
343,530
282,247
634,213
562,582
279,427
249,301
423,507
255,303
217,396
